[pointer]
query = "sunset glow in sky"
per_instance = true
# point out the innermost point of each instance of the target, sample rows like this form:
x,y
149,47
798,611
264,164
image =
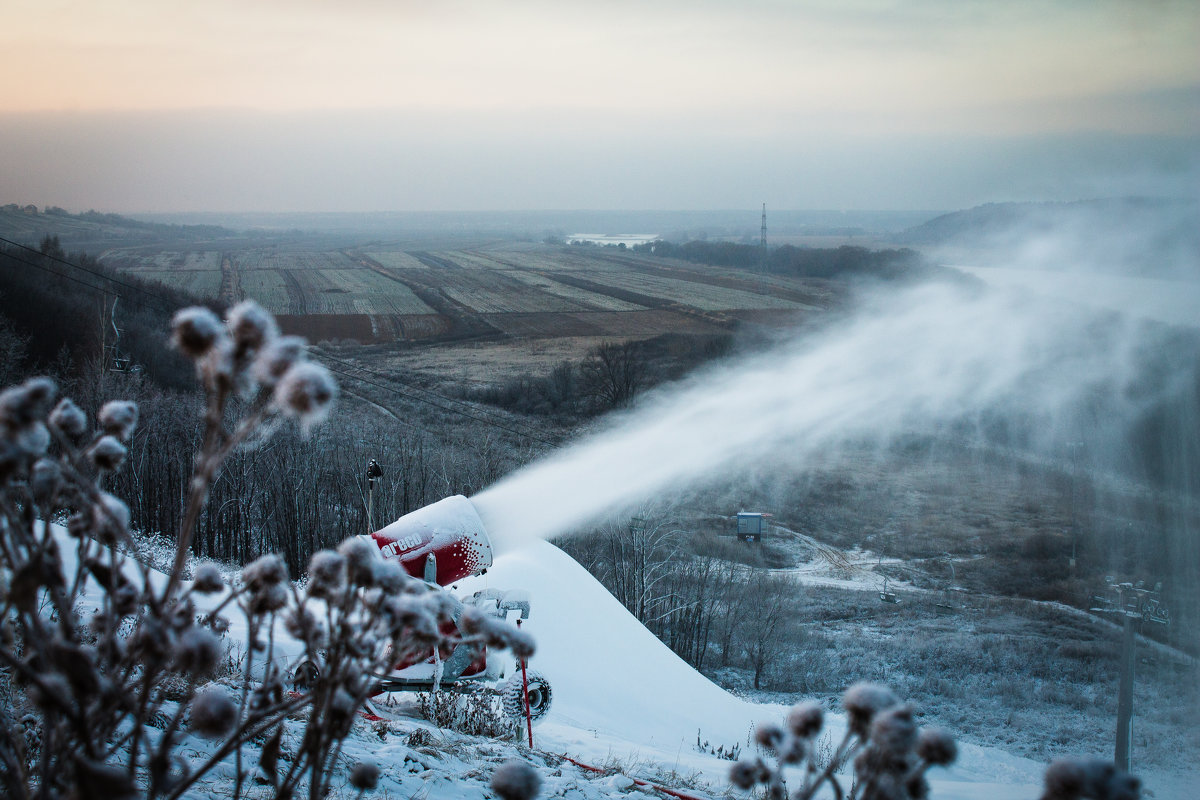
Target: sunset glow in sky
x,y
380,104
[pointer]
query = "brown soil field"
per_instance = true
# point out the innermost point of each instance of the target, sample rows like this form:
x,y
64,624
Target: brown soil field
x,y
325,327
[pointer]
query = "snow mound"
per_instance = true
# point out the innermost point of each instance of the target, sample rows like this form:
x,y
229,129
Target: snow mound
x,y
619,692
609,675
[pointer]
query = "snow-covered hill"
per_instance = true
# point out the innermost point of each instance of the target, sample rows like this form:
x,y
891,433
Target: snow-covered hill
x,y
618,692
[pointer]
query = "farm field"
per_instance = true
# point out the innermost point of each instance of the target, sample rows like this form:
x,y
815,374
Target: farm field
x,y
462,291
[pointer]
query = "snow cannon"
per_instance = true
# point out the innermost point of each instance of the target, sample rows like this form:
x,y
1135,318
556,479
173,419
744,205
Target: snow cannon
x,y
441,543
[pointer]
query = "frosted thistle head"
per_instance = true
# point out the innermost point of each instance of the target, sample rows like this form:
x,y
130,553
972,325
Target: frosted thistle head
x,y
213,712
118,418
306,392
863,701
516,780
107,453
69,419
936,746
208,579
197,652
264,571
746,773
28,403
274,360
195,330
326,573
252,327
806,719
893,731
364,776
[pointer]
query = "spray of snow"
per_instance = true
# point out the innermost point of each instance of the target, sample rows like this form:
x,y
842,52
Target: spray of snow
x,y
907,360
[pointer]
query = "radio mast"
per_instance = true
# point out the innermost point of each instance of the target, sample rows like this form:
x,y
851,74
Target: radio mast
x,y
762,241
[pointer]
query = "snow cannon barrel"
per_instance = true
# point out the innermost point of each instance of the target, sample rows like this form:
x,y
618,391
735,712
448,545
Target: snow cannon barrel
x,y
441,543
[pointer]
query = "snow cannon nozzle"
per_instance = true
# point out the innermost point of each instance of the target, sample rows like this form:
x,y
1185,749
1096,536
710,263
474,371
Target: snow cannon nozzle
x,y
441,543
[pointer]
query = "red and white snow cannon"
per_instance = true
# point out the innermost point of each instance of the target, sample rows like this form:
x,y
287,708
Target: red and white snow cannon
x,y
443,543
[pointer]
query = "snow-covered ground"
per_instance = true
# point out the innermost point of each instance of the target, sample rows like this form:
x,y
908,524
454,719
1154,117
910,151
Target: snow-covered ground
x,y
621,700
618,692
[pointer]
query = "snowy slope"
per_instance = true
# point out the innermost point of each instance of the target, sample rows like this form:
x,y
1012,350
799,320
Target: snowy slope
x,y
620,692
619,695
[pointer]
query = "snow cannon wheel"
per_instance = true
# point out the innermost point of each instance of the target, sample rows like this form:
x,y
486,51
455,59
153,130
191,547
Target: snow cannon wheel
x,y
305,675
512,693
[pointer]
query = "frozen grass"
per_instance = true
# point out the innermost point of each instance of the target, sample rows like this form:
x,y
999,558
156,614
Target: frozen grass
x,y
1030,678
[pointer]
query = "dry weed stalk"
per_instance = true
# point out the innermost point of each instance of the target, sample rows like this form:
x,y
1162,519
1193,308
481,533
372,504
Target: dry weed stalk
x,y
105,667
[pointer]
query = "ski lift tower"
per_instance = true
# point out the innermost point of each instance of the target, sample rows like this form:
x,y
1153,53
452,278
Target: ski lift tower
x,y
1134,605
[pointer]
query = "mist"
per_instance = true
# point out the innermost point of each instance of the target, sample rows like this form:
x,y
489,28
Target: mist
x,y
953,359
516,159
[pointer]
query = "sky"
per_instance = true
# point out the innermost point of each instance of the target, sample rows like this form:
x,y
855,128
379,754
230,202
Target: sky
x,y
376,105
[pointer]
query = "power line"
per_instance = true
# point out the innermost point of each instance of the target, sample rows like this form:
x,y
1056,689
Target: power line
x,y
419,399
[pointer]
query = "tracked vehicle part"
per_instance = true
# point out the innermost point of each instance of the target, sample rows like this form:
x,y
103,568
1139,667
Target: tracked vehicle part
x,y
512,694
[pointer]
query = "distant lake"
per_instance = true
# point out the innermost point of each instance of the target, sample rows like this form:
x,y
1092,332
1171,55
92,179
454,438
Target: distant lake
x,y
1171,301
627,239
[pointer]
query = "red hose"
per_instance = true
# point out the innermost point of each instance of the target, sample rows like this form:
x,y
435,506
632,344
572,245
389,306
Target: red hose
x,y
638,781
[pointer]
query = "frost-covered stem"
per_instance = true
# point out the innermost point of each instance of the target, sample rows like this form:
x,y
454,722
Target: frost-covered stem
x,y
198,489
843,751
325,776
139,728
252,624
208,463
246,731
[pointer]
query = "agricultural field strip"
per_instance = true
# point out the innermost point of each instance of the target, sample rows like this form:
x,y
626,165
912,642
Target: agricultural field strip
x,y
394,259
594,300
268,287
163,261
368,292
698,295
536,278
491,290
777,286
497,293
201,282
248,260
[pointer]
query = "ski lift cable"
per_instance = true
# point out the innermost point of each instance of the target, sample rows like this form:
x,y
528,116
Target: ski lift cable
x,y
94,273
393,379
450,409
81,282
474,414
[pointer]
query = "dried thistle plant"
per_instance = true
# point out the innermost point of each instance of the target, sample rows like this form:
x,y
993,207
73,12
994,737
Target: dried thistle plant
x,y
891,756
96,696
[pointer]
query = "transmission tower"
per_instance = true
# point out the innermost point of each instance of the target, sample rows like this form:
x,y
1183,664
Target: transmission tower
x,y
762,240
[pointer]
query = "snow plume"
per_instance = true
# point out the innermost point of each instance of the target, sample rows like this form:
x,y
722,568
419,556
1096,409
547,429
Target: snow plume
x,y
917,359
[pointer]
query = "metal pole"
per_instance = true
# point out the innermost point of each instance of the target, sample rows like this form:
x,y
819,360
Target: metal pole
x,y
1124,749
525,688
370,506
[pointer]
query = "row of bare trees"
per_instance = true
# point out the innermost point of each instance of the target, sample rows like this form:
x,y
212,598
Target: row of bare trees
x,y
295,494
705,598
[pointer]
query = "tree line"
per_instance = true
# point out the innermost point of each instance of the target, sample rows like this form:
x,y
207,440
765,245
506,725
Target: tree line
x,y
847,261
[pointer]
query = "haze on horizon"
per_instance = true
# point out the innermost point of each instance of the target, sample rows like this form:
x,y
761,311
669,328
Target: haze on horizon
x,y
145,106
